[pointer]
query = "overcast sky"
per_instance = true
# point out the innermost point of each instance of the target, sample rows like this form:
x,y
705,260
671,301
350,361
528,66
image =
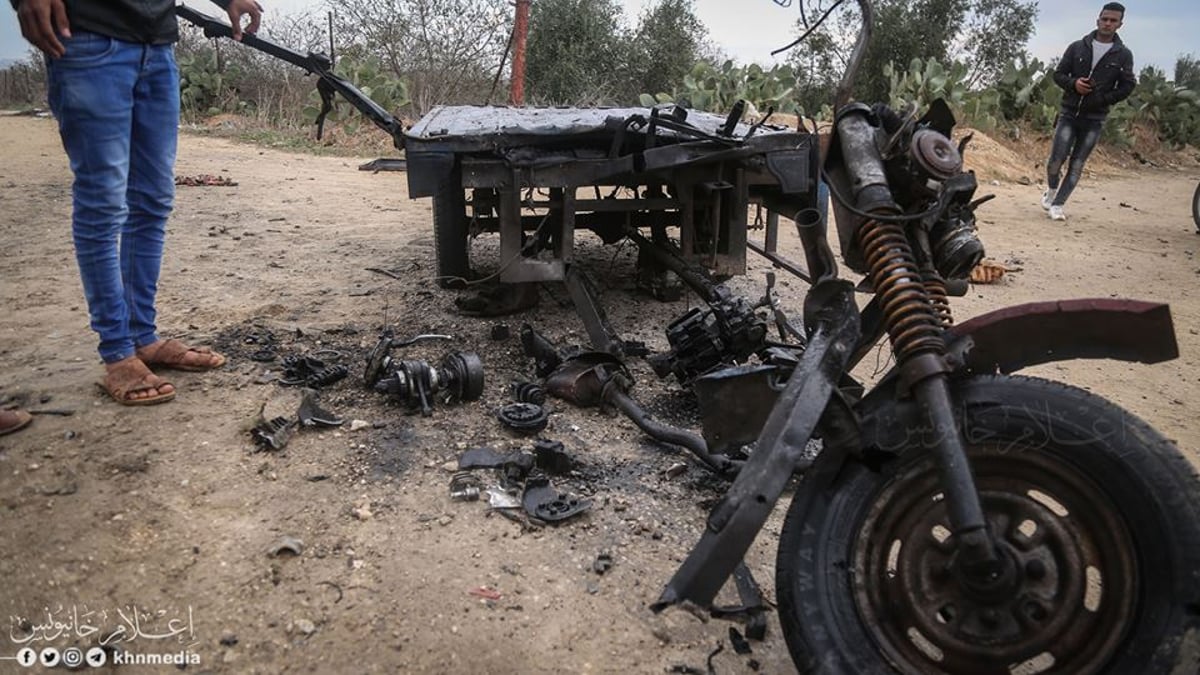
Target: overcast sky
x,y
748,30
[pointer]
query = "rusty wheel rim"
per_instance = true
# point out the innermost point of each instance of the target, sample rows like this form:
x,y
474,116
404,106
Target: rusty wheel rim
x,y
1064,603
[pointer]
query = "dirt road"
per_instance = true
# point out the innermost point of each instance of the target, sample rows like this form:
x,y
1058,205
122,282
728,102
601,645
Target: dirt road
x,y
169,509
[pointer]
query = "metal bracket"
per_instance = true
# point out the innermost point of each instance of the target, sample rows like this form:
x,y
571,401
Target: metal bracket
x,y
737,519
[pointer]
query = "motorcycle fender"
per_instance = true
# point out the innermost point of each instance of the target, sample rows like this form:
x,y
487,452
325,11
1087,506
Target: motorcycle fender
x,y
1017,337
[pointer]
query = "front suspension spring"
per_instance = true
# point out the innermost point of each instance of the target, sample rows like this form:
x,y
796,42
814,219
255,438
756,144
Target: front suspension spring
x,y
912,320
935,286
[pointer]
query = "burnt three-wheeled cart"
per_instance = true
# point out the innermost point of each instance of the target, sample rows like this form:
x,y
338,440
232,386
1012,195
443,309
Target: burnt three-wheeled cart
x,y
537,175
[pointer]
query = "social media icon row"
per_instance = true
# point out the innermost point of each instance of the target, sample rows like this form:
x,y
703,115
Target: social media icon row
x,y
71,657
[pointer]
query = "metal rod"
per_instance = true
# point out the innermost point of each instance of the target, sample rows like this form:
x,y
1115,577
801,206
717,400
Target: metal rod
x,y
332,53
520,33
666,433
963,505
779,261
695,279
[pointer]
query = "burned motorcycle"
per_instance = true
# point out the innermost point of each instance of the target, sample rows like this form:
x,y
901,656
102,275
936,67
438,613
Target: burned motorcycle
x,y
958,518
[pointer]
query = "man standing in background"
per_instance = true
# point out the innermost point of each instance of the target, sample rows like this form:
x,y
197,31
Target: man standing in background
x,y
113,86
1094,73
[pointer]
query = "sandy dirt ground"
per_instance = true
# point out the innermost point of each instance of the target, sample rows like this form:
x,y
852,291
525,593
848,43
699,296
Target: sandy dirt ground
x,y
169,512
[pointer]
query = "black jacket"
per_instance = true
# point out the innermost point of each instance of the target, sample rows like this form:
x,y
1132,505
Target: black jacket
x,y
145,21
1112,79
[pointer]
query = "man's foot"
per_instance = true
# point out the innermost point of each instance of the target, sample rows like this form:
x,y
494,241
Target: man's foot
x,y
130,382
176,355
13,420
1056,212
1048,199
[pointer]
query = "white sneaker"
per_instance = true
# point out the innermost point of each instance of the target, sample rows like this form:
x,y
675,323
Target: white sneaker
x,y
1056,212
1048,198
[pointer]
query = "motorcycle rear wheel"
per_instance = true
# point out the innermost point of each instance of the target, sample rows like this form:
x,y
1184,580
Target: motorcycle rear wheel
x,y
1097,514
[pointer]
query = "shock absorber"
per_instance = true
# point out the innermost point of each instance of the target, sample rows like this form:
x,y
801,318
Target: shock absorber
x,y
914,319
935,286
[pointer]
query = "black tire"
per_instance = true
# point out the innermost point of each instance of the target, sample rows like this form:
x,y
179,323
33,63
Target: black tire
x,y
1196,207
450,229
852,592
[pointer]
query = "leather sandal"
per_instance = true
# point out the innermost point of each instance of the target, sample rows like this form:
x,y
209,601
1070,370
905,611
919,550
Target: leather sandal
x,y
174,354
130,376
13,420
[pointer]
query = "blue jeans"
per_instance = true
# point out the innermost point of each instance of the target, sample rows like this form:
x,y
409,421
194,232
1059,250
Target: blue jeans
x,y
117,107
1076,138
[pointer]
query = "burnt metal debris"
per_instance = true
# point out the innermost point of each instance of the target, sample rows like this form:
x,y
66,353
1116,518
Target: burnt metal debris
x,y
551,457
521,473
310,372
528,392
542,501
603,562
311,414
481,458
465,487
274,434
753,610
740,644
600,378
526,418
417,384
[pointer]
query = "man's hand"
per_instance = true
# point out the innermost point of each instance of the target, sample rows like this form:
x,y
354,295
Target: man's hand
x,y
42,22
236,9
1083,86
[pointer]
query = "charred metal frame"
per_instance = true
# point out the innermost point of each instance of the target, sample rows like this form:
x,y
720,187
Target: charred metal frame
x,y
526,169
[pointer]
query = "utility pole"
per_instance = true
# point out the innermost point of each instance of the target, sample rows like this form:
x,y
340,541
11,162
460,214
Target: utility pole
x,y
520,32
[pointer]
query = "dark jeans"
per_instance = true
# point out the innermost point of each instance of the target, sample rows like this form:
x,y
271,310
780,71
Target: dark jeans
x,y
117,106
1075,138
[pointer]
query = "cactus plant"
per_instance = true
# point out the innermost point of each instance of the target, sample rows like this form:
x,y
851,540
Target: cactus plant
x,y
716,88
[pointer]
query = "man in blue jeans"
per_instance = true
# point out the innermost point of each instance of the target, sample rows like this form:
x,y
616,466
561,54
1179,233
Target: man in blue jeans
x,y
114,89
1094,73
